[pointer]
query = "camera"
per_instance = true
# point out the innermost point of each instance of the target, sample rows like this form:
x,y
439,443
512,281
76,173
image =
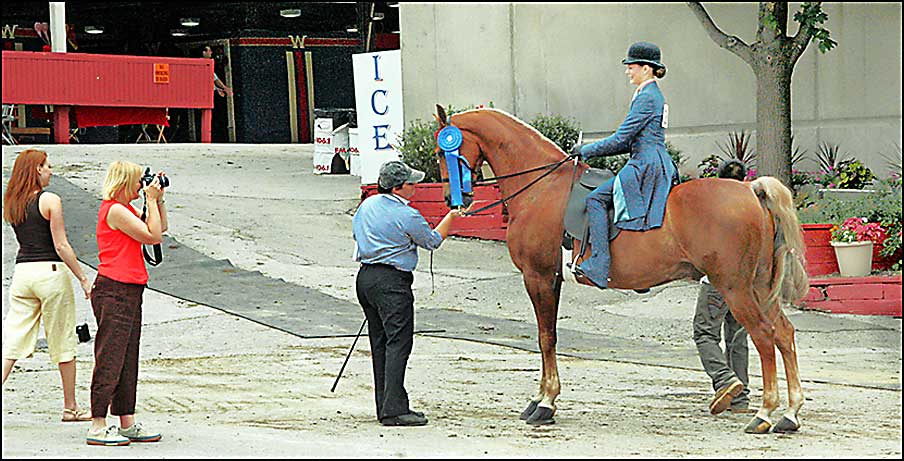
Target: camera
x,y
147,178
82,332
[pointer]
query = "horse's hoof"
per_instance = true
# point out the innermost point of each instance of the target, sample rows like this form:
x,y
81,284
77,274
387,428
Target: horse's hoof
x,y
531,407
785,426
758,426
541,416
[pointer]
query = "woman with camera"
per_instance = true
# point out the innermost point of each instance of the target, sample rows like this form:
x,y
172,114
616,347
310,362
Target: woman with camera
x,y
117,297
41,288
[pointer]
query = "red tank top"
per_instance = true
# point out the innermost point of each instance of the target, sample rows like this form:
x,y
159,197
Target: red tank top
x,y
120,255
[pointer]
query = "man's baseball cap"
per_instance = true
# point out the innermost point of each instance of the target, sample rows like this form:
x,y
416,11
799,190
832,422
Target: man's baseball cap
x,y
395,173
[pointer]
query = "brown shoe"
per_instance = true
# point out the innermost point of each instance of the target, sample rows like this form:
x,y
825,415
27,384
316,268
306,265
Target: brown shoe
x,y
724,395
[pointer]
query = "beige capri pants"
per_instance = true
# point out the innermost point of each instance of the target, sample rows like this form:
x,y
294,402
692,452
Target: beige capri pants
x,y
41,290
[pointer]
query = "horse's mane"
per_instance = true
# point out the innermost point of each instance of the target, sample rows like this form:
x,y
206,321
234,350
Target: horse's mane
x,y
514,119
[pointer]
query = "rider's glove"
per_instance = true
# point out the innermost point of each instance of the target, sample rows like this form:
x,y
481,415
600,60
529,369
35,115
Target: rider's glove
x,y
575,151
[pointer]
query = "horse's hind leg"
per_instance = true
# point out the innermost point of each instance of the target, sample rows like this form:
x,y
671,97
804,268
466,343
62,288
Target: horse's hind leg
x,y
784,339
544,293
760,329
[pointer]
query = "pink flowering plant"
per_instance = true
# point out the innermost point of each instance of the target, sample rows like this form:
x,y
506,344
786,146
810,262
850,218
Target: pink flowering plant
x,y
858,230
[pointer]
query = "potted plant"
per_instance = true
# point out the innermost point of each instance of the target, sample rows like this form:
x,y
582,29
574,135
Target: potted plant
x,y
853,243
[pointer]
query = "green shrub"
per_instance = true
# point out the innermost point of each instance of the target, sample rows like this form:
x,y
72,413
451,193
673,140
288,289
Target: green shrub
x,y
612,162
853,175
709,167
680,160
883,206
416,145
560,130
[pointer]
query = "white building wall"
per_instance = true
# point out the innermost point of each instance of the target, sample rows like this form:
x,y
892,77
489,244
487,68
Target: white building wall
x,y
566,59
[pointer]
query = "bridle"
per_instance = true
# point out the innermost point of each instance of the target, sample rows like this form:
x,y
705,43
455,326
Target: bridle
x,y
449,140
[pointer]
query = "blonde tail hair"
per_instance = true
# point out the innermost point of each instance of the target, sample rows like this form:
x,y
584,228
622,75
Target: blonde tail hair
x,y
790,282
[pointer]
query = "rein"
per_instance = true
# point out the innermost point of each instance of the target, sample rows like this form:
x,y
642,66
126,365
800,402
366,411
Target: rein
x,y
552,167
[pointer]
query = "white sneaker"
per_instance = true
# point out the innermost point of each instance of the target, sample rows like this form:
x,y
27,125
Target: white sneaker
x,y
137,433
108,436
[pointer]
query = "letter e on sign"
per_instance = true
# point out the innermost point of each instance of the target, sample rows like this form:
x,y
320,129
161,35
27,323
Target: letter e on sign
x,y
161,73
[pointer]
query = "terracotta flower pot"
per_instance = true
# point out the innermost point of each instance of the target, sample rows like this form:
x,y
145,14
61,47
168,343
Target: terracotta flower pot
x,y
855,259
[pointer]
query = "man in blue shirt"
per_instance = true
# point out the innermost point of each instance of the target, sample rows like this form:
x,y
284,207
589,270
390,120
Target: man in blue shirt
x,y
387,233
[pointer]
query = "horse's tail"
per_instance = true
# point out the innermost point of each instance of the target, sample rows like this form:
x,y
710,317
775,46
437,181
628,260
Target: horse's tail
x,y
789,277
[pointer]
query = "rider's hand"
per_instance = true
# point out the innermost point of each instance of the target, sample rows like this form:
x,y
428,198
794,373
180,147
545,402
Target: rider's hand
x,y
576,150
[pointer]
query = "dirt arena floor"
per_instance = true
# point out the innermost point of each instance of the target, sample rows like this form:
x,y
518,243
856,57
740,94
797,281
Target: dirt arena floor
x,y
217,385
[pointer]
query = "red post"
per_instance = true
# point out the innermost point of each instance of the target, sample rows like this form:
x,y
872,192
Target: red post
x,y
61,124
206,119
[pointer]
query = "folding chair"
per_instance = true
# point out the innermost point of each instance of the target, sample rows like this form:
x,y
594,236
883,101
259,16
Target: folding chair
x,y
8,118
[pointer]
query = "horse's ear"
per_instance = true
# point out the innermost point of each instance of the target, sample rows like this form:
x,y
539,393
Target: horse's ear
x,y
440,116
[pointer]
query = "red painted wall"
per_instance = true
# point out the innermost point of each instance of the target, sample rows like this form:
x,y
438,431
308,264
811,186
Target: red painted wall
x,y
79,79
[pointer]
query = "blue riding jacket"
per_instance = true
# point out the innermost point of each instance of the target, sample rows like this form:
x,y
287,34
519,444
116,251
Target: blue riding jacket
x,y
642,187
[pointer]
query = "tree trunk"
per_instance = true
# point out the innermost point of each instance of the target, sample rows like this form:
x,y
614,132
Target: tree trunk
x,y
773,118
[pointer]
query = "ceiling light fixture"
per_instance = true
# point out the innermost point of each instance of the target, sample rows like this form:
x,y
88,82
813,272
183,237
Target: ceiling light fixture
x,y
394,5
293,13
178,33
352,29
378,16
190,22
94,29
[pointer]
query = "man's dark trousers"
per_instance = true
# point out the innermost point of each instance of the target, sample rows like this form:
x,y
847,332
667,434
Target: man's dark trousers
x,y
384,293
713,315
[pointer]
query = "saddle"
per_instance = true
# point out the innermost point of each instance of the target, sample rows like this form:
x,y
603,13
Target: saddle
x,y
577,224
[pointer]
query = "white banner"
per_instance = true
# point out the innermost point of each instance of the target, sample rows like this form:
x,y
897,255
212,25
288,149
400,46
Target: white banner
x,y
378,101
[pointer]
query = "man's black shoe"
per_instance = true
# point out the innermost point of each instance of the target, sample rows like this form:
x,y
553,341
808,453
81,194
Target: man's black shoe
x,y
408,419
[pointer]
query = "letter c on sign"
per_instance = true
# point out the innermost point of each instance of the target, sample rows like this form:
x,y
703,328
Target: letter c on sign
x,y
373,102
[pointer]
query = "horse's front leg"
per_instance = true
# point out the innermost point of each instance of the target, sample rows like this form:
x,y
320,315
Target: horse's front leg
x,y
544,290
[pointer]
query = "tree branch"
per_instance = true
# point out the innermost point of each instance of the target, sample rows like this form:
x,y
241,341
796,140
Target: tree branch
x,y
729,42
801,40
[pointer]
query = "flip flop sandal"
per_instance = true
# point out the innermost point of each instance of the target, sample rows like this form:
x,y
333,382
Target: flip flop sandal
x,y
76,416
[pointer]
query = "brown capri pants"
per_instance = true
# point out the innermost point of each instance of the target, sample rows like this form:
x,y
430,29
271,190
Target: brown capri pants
x,y
117,308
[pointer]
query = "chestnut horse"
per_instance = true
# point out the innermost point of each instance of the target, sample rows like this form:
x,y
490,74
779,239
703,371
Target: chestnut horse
x,y
745,236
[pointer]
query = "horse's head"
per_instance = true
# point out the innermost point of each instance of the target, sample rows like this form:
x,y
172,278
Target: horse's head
x,y
461,151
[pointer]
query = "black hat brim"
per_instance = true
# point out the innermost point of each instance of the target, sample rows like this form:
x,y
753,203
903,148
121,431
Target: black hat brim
x,y
642,61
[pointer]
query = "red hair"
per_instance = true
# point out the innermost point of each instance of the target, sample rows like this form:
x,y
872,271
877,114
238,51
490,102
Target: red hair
x,y
24,181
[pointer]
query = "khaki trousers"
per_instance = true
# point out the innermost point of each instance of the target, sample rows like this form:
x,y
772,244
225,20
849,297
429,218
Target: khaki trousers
x,y
40,291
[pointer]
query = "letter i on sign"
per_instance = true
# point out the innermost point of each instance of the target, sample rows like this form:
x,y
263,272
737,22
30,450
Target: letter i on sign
x,y
377,68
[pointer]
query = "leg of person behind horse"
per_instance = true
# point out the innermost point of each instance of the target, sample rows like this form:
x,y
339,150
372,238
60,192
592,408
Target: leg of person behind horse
x,y
544,294
784,339
746,310
737,358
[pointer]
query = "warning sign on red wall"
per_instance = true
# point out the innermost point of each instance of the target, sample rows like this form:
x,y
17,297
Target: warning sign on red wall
x,y
161,73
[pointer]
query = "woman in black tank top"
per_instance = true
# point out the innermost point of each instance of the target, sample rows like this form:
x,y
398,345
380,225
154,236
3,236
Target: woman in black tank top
x,y
36,217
